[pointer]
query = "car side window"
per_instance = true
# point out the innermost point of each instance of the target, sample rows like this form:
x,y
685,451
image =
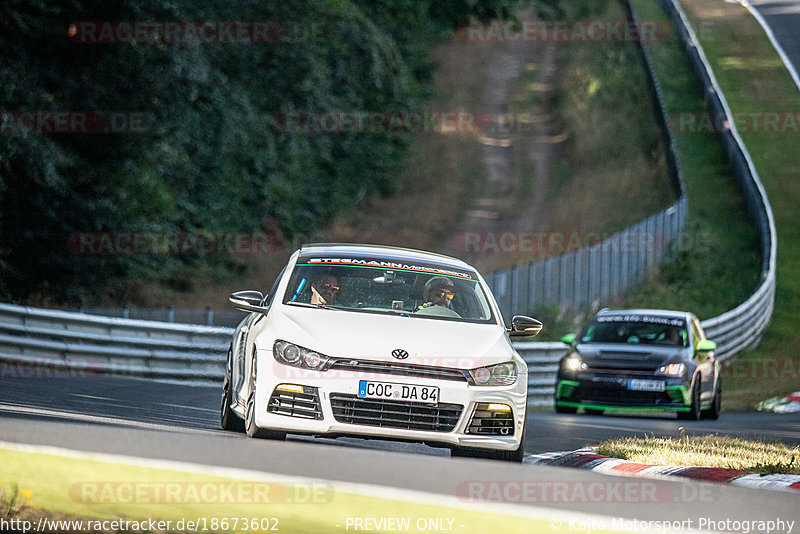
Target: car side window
x,y
271,294
697,335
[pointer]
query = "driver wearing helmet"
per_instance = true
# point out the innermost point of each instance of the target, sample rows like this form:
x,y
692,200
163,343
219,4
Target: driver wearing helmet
x,y
438,294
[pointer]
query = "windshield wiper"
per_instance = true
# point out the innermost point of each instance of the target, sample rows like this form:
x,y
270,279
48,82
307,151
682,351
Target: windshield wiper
x,y
309,305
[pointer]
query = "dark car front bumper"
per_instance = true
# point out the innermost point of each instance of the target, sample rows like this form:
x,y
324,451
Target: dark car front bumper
x,y
609,392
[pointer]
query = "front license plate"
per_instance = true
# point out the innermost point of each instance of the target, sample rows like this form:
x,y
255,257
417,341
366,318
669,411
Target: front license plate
x,y
402,392
645,385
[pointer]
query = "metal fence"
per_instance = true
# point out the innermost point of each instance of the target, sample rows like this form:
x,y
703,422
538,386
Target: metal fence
x,y
591,275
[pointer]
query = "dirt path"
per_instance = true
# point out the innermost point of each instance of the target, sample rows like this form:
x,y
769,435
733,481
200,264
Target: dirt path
x,y
515,194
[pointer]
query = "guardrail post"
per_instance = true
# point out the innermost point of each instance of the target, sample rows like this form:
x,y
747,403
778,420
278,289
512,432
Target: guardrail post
x,y
209,316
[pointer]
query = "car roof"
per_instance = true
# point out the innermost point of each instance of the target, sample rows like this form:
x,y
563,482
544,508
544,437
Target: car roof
x,y
647,311
382,252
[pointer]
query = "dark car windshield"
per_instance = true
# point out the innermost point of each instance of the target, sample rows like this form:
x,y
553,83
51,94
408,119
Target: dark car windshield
x,y
388,287
656,330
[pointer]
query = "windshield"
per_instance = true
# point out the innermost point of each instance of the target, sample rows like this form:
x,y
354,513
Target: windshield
x,y
389,287
655,330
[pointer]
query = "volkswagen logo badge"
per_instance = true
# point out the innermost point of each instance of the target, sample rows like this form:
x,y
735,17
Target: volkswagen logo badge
x,y
400,354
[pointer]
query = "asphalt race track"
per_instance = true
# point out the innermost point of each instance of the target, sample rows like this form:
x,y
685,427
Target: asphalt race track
x,y
783,16
128,402
179,422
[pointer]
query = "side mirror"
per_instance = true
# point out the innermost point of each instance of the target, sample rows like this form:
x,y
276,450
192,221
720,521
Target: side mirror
x,y
249,301
706,345
569,339
522,325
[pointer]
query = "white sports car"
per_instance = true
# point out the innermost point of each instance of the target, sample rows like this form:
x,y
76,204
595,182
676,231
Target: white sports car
x,y
379,342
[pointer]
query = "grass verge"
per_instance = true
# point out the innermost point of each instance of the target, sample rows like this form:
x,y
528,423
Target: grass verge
x,y
82,488
716,266
757,87
707,451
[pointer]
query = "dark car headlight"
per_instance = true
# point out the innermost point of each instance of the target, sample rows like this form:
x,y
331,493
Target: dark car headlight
x,y
502,374
296,356
573,364
671,369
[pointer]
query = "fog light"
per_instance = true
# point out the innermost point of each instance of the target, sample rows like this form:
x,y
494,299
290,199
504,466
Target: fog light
x,y
313,360
499,407
293,388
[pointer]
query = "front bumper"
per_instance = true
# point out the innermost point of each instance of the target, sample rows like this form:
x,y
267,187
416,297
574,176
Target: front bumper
x,y
613,392
329,405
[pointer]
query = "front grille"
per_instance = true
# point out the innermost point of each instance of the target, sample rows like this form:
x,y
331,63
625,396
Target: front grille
x,y
395,414
304,405
369,368
491,422
613,372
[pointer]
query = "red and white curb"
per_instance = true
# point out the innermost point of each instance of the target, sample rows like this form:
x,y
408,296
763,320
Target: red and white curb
x,y
589,459
788,404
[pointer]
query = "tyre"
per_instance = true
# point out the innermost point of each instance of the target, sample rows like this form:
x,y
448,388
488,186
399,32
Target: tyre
x,y
515,456
251,428
716,404
566,409
227,419
593,411
694,409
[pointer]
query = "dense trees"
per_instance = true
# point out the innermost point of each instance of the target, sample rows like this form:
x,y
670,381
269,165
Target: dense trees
x,y
186,137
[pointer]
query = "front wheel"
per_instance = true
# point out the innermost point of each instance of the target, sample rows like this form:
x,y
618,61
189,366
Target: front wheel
x,y
716,404
694,409
227,419
251,428
566,409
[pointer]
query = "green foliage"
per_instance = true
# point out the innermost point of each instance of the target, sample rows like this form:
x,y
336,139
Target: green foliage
x,y
208,156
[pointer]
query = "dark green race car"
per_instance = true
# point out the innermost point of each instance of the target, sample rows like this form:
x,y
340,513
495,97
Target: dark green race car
x,y
640,360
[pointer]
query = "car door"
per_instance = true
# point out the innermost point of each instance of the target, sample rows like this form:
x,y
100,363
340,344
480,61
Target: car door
x,y
246,332
705,361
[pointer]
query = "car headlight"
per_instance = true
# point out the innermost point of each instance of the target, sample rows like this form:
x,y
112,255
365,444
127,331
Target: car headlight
x,y
672,369
574,364
290,354
502,374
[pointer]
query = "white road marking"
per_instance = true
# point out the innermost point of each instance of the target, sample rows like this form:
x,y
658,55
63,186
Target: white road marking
x,y
778,48
367,490
100,419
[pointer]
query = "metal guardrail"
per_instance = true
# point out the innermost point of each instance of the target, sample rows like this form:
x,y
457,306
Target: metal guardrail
x,y
38,342
740,328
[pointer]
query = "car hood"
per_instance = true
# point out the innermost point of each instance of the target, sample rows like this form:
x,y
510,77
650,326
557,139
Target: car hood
x,y
625,356
347,334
